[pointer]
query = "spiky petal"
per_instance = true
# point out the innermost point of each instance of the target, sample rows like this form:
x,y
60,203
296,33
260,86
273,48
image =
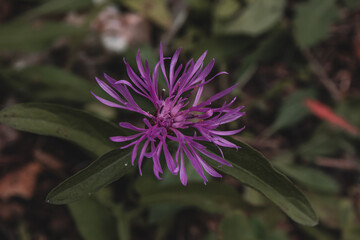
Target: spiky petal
x,y
173,114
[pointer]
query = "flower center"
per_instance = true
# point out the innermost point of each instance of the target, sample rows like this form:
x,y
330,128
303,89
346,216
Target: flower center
x,y
164,119
169,114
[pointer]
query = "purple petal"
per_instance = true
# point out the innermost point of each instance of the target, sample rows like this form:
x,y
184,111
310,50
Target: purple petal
x,y
205,72
214,157
171,115
198,95
227,133
198,63
155,79
162,65
109,91
134,151
172,65
108,103
178,71
156,157
183,175
195,163
209,169
206,167
129,145
139,64
205,82
135,79
132,87
217,96
230,117
109,79
124,138
130,126
141,157
223,142
169,159
156,172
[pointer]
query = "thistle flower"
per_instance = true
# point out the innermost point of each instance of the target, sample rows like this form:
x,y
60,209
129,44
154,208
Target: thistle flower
x,y
174,112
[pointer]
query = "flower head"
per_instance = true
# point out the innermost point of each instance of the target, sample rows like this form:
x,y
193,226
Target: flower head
x,y
174,112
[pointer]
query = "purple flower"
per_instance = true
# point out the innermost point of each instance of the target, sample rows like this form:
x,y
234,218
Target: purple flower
x,y
174,112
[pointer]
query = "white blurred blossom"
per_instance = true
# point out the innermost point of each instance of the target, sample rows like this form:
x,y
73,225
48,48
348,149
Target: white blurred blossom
x,y
119,31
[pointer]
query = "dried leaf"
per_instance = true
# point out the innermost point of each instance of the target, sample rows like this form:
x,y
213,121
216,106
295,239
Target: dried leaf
x,y
21,182
324,112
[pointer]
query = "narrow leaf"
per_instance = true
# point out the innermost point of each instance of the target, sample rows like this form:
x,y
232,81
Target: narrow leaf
x,y
20,36
55,6
52,83
103,171
258,17
157,10
253,169
73,125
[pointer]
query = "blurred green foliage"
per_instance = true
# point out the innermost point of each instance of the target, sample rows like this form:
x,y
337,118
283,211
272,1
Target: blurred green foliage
x,y
24,36
257,17
313,21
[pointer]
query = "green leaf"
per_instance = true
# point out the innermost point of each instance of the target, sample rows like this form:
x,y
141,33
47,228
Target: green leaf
x,y
20,36
226,8
266,50
156,10
313,21
70,124
56,6
309,177
93,220
103,171
292,111
253,169
52,83
258,17
213,197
